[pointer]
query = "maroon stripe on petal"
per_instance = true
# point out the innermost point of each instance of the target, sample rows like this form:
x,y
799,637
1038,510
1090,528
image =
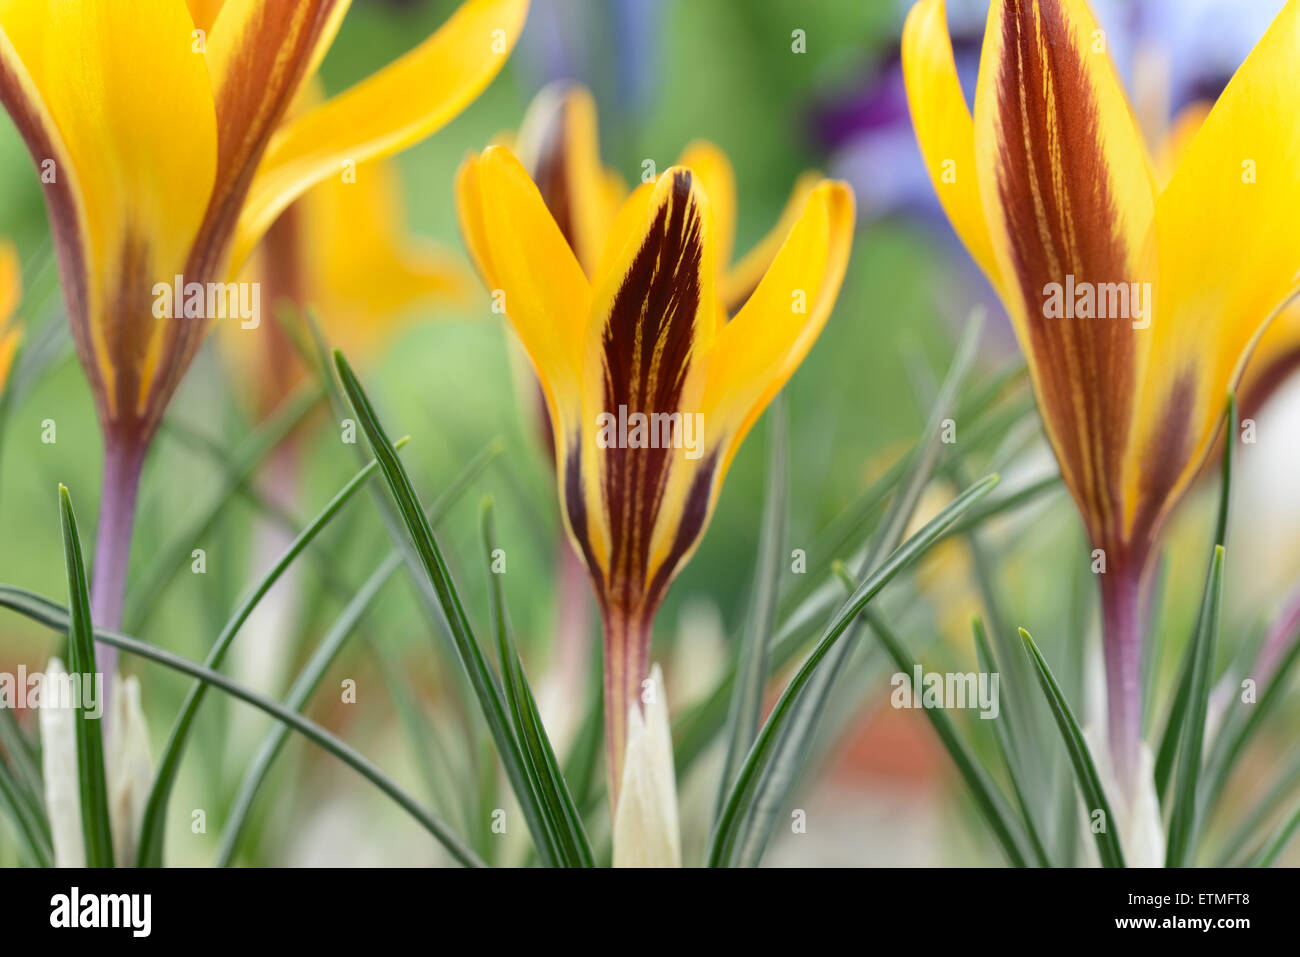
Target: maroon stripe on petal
x,y
61,205
646,349
1064,227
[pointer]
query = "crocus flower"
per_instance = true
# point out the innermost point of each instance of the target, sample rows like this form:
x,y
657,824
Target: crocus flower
x,y
650,389
160,133
1051,189
11,291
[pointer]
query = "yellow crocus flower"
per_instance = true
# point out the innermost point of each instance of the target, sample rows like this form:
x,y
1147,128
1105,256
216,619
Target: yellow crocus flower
x,y
649,388
1050,186
161,134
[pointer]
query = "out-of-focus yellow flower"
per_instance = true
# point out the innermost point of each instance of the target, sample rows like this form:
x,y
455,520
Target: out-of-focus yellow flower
x,y
159,131
650,389
1136,305
344,250
11,292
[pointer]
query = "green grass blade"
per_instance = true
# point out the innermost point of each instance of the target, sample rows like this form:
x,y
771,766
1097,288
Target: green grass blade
x,y
1085,770
486,687
1168,750
1183,820
808,601
988,799
24,759
1276,844
313,672
173,554
54,616
1284,785
96,827
1234,747
152,831
1002,728
751,662
1174,725
32,832
732,840
574,848
781,770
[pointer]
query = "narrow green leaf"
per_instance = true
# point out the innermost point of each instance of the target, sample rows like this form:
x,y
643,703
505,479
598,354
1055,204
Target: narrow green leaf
x,y
313,672
1226,758
1002,726
96,826
173,554
562,814
1174,725
54,616
987,797
27,824
1276,844
805,603
1182,820
1279,792
24,757
1006,503
152,833
748,834
484,683
732,841
751,662
1085,770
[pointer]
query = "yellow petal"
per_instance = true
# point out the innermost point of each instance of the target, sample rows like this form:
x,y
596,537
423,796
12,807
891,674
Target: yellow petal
x,y
944,129
365,270
11,280
520,251
741,280
1228,252
559,146
257,56
387,112
125,73
11,338
758,351
713,170
1179,137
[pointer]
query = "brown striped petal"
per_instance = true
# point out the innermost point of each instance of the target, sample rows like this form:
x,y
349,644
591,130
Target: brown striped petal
x,y
638,478
1068,198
